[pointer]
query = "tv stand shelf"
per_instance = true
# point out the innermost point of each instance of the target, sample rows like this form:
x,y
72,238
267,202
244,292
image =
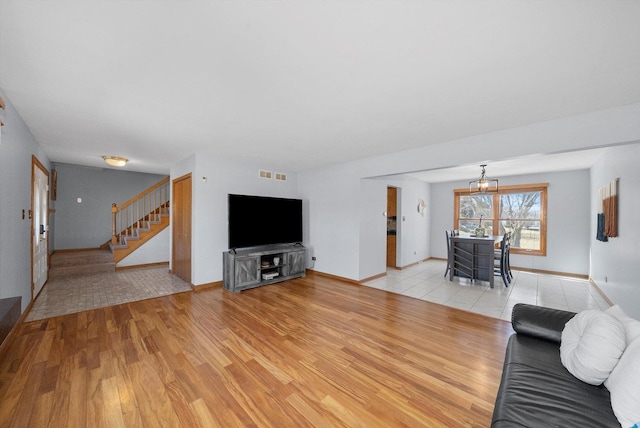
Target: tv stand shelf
x,y
254,267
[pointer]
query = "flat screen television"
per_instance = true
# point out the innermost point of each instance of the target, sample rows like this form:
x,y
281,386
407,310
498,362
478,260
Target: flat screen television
x,y
258,220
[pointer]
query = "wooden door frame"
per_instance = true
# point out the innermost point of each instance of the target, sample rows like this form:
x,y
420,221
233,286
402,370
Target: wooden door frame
x,y
35,163
174,208
397,235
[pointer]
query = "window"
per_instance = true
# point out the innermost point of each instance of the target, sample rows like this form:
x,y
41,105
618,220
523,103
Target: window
x,y
520,210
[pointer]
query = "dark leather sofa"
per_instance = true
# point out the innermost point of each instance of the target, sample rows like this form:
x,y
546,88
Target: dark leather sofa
x,y
536,390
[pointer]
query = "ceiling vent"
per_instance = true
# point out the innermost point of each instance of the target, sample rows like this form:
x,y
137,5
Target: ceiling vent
x,y
281,177
267,175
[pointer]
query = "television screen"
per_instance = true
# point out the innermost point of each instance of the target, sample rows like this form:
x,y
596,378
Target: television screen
x,y
259,220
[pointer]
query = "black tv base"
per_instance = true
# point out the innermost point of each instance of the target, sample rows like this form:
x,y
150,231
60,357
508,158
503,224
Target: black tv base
x,y
254,267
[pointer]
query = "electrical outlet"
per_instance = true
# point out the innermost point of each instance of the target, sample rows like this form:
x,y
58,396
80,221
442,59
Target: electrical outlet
x,y
313,258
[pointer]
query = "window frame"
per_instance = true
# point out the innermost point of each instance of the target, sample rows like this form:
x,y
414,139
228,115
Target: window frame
x,y
495,218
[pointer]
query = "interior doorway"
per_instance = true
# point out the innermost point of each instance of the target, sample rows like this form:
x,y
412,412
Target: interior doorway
x,y
181,227
39,226
392,226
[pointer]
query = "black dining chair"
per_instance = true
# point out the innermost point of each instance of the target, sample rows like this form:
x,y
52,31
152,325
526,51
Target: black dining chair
x,y
448,234
501,260
507,258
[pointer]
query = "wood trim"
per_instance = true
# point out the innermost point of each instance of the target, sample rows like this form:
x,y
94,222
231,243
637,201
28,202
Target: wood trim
x,y
599,290
371,278
207,286
536,187
531,270
506,189
145,265
551,272
330,276
35,163
144,192
412,264
71,250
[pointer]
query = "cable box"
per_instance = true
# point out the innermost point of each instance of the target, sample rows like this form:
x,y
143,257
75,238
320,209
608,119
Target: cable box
x,y
268,276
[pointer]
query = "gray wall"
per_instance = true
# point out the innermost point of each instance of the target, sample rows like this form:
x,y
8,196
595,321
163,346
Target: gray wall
x,y
88,224
568,220
617,259
17,145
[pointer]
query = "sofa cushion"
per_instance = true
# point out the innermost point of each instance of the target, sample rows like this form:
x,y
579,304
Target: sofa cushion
x,y
537,391
631,326
538,321
592,343
623,386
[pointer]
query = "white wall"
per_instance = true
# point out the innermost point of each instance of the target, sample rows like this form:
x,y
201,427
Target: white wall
x,y
335,215
155,250
16,148
209,210
617,259
373,228
333,192
568,220
413,233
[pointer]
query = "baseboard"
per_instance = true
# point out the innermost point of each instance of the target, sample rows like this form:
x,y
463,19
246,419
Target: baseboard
x,y
142,266
371,278
413,264
551,272
201,287
312,272
593,283
71,250
531,270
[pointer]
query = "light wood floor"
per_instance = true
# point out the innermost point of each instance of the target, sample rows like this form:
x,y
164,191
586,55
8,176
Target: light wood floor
x,y
307,352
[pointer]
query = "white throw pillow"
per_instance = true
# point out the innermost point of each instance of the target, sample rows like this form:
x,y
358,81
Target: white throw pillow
x,y
623,385
631,326
591,346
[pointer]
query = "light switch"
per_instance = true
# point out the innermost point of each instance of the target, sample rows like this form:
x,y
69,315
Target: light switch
x,y
79,200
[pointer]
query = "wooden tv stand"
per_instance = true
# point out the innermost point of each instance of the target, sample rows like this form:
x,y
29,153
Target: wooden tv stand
x,y
243,269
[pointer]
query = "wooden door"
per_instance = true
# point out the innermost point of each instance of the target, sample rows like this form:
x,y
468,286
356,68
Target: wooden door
x,y
392,225
181,236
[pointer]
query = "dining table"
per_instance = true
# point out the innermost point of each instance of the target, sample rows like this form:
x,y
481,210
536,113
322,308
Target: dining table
x,y
473,257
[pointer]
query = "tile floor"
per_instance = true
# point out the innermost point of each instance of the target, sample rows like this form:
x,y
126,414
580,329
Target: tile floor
x,y
77,293
426,281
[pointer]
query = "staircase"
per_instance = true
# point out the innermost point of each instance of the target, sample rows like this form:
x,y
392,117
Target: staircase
x,y
80,262
139,219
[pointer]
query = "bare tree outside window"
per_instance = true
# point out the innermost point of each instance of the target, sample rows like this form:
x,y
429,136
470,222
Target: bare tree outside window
x,y
520,210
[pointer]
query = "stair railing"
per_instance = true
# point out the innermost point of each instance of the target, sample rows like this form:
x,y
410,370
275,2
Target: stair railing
x,y
146,206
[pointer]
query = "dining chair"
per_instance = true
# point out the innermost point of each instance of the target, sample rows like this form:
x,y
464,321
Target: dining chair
x,y
508,258
448,234
500,260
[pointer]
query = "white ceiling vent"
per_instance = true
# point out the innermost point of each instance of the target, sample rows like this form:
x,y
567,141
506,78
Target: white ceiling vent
x,y
281,177
264,174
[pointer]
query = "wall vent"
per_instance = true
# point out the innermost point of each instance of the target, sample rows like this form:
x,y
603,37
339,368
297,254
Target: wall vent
x,y
264,174
281,177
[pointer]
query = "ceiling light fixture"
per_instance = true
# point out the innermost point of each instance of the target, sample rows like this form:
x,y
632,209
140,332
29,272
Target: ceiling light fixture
x,y
2,106
115,160
483,184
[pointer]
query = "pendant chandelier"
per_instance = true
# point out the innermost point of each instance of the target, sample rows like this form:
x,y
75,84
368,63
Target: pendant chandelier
x,y
483,185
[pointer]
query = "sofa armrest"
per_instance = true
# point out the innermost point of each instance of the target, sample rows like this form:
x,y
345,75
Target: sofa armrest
x,y
538,321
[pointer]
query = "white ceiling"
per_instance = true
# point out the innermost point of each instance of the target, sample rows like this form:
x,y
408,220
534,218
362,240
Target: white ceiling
x,y
566,161
304,84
